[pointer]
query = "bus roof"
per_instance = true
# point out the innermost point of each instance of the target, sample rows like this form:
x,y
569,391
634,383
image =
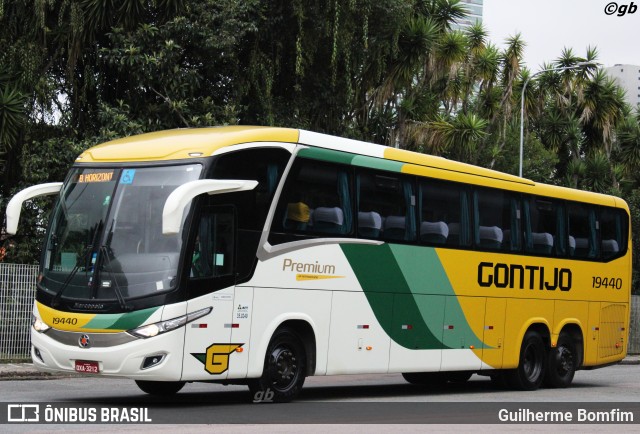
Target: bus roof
x,y
197,142
183,143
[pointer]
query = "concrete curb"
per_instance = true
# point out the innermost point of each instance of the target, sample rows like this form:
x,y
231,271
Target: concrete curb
x,y
26,371
631,360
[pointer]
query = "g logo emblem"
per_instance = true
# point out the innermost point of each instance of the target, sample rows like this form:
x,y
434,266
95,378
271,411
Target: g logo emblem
x,y
217,360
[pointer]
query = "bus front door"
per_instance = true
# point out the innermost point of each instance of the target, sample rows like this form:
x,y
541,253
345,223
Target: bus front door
x,y
209,351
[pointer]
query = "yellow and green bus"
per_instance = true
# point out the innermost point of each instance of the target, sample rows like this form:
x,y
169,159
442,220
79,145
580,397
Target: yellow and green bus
x,y
261,256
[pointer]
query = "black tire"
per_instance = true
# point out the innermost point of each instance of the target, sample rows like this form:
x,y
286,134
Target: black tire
x,y
433,379
562,363
160,388
284,369
531,365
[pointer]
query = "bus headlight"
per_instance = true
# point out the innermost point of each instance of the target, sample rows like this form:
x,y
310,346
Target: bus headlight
x,y
39,325
158,328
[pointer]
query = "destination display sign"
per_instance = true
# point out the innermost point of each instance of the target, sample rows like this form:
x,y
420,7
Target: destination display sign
x,y
84,178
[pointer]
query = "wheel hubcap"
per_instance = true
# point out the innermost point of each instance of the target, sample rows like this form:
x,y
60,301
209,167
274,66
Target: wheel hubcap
x,y
283,367
564,360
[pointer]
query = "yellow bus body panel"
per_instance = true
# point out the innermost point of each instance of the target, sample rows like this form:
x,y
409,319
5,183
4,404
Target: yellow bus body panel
x,y
183,143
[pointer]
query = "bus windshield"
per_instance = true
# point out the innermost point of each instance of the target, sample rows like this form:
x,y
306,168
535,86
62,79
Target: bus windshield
x,y
106,239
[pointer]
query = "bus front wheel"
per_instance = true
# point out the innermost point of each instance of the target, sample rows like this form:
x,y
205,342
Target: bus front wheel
x,y
284,369
160,388
562,362
532,363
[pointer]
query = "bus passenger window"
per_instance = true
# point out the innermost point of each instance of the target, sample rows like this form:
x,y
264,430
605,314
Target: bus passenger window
x,y
544,227
613,232
496,220
316,200
582,231
386,206
444,214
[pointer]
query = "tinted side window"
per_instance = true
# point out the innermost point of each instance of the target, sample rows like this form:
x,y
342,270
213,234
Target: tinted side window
x,y
316,200
544,227
213,257
263,165
444,214
613,232
386,206
582,231
497,220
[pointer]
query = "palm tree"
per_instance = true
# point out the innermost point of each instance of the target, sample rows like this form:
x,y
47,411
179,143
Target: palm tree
x,y
628,137
12,115
458,138
444,12
602,108
477,56
450,56
511,70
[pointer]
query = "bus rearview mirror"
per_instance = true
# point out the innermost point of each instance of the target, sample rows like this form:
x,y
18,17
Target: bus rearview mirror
x,y
15,204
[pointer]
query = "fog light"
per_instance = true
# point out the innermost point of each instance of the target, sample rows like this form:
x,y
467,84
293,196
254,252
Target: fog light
x,y
36,351
151,361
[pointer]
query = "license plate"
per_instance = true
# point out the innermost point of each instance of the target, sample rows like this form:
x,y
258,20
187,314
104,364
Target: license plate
x,y
87,367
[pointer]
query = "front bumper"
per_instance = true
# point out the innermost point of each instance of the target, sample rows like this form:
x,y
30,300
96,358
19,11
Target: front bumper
x,y
118,354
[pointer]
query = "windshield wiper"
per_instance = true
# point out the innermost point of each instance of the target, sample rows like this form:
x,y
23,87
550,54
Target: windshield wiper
x,y
116,288
104,252
89,248
56,298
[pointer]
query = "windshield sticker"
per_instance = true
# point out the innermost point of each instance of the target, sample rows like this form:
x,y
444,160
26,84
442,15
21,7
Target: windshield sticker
x,y
95,177
127,176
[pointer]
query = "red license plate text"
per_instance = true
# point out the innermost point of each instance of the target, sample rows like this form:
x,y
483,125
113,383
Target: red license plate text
x,y
87,367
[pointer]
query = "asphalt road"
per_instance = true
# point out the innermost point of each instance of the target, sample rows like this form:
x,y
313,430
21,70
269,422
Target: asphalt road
x,y
362,399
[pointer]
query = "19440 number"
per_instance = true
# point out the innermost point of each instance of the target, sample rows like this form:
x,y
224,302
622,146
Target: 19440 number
x,y
607,282
62,321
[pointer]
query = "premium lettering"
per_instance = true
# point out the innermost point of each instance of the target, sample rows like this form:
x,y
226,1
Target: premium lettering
x,y
307,267
517,276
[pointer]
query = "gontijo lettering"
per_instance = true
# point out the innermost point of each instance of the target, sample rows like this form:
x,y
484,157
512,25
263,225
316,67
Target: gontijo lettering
x,y
523,276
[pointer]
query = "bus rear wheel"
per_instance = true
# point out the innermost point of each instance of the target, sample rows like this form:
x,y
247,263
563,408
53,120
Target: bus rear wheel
x,y
562,363
284,369
160,388
531,365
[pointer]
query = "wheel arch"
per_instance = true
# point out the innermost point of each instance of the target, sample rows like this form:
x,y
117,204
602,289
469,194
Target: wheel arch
x,y
299,323
539,325
574,330
543,329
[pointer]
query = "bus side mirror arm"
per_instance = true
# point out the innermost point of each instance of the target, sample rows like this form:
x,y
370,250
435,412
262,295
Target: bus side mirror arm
x,y
15,204
173,211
